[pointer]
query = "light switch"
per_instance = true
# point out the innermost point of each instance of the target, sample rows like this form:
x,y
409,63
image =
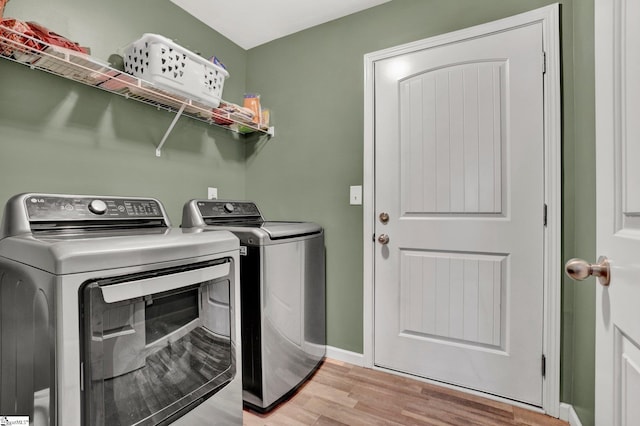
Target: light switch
x,y
355,195
212,193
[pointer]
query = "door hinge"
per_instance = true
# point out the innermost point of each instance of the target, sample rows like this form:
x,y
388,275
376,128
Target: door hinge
x,y
544,365
544,215
544,62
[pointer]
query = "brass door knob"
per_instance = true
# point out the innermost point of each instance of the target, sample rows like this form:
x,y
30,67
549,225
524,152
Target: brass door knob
x,y
383,239
579,269
384,217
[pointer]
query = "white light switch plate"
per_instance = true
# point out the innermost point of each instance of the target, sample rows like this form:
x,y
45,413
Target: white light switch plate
x,y
355,195
212,193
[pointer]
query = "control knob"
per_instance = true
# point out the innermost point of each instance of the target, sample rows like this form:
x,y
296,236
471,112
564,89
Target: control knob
x,y
228,207
97,207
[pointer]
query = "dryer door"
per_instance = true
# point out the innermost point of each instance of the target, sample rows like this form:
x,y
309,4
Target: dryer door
x,y
156,344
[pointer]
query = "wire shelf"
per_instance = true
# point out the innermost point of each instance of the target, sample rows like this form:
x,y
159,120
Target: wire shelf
x,y
82,68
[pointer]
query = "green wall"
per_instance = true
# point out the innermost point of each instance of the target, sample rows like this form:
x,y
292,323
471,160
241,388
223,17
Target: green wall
x,y
60,136
313,80
579,301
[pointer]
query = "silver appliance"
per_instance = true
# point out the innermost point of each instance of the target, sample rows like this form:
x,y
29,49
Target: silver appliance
x,y
108,316
282,292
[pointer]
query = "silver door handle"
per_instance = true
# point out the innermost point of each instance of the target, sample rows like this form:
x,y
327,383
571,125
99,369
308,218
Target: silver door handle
x,y
383,239
579,269
133,289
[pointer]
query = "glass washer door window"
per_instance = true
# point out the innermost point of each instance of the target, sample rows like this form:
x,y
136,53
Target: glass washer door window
x,y
156,344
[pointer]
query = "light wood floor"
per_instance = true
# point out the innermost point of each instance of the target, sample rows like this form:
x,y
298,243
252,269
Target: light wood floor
x,y
344,394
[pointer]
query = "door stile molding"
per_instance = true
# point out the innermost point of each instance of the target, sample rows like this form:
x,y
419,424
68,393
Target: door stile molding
x,y
549,17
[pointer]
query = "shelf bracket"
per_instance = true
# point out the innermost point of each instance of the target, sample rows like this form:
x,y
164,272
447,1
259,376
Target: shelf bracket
x,y
166,135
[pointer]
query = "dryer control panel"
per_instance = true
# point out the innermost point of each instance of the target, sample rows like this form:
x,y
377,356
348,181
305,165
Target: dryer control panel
x,y
78,215
51,208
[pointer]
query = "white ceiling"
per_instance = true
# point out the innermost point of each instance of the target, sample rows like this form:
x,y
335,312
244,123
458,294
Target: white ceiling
x,y
250,23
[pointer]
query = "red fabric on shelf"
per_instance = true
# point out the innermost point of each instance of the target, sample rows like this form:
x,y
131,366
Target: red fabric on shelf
x,y
19,39
49,37
2,5
28,34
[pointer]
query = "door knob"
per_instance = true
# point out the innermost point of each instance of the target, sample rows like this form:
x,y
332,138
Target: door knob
x,y
579,269
383,239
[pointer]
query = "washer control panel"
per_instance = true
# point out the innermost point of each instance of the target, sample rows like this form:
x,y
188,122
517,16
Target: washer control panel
x,y
46,207
228,209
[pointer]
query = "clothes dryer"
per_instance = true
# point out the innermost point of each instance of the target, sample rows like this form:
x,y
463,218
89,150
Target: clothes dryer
x,y
282,288
108,316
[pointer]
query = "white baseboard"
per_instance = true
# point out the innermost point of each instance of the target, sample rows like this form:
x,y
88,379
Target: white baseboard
x,y
567,413
345,356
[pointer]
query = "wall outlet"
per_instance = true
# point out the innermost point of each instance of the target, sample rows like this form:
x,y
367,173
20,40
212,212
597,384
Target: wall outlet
x,y
355,195
212,193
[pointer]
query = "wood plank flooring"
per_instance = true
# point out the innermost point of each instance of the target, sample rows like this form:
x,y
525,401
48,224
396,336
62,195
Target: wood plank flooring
x,y
344,394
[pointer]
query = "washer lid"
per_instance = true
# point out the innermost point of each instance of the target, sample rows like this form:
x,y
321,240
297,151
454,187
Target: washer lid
x,y
243,219
62,254
279,230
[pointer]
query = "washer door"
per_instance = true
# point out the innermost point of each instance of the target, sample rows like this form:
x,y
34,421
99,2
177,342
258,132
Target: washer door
x,y
156,344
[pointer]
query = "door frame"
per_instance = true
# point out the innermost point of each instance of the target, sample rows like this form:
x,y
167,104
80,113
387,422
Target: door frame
x,y
549,16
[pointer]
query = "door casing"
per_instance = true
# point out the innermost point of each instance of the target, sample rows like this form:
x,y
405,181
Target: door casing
x,y
551,271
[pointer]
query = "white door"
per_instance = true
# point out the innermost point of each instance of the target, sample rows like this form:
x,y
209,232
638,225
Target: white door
x,y
617,36
459,170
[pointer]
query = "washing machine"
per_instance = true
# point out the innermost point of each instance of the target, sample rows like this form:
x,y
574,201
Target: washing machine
x,y
282,293
108,316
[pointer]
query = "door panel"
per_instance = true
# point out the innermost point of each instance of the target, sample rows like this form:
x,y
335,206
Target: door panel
x,y
627,381
459,169
452,297
451,159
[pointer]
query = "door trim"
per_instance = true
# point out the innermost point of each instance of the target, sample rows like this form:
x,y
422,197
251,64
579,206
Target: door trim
x,y
549,16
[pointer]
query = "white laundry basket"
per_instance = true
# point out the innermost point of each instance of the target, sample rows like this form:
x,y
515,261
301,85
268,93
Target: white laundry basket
x,y
171,67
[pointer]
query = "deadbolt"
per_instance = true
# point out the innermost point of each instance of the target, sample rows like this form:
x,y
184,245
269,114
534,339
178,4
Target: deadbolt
x,y
384,217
